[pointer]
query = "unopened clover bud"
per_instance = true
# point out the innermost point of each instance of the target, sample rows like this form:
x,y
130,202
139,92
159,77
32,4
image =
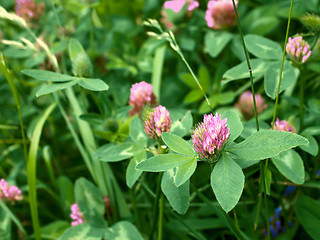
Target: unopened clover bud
x,y
210,136
81,65
311,21
246,106
157,122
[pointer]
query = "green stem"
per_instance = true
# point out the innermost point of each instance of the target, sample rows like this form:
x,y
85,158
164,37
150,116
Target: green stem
x,y
15,94
135,209
155,205
91,31
160,218
264,192
248,63
315,41
282,64
258,210
222,215
301,104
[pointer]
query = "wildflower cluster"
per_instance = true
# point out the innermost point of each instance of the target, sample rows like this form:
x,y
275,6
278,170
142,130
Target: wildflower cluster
x,y
246,106
140,96
157,122
76,215
210,135
283,126
28,9
220,14
275,223
298,49
11,193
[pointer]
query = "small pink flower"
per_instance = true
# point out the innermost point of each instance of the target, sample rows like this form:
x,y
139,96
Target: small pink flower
x,y
28,9
210,135
298,49
283,126
76,215
157,122
141,95
220,14
176,6
11,193
245,104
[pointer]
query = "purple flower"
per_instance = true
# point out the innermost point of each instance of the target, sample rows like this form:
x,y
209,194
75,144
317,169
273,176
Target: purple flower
x,y
157,122
289,189
141,95
11,193
220,14
246,106
28,9
76,215
298,49
176,6
210,135
283,126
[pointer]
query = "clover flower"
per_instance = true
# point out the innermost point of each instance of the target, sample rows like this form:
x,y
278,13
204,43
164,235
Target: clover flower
x,y
245,104
141,95
10,193
157,122
283,126
76,215
176,6
210,135
220,14
28,9
298,49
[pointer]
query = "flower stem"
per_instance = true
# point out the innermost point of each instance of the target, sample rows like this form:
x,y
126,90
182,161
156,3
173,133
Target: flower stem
x,y
160,218
134,206
248,63
301,103
156,206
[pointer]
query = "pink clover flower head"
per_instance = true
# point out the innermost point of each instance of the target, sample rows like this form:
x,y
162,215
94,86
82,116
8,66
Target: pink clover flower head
x,y
11,193
283,126
220,14
177,5
246,106
28,9
210,136
157,122
298,49
141,95
76,215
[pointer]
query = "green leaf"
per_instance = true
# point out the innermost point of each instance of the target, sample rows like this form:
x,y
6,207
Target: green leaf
x,y
90,201
193,96
133,174
55,229
312,147
5,224
313,131
216,99
137,133
178,197
290,75
290,164
50,88
241,71
123,230
227,182
177,144
8,215
308,213
234,123
263,47
115,153
185,171
215,42
45,75
66,192
82,231
266,144
181,123
267,180
93,84
163,162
